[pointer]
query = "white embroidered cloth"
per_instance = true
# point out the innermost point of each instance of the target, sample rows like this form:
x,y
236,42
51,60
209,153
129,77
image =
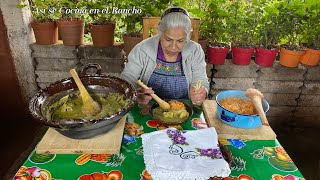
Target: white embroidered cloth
x,y
173,154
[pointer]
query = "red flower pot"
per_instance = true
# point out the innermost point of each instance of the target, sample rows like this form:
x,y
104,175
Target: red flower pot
x,y
265,57
217,55
241,56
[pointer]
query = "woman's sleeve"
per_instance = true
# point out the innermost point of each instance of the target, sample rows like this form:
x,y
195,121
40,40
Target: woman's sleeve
x,y
133,69
199,71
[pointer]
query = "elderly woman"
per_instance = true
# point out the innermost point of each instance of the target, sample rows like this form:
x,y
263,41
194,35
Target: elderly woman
x,y
170,63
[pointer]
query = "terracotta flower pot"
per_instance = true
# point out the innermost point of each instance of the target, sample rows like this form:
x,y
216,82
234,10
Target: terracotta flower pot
x,y
242,56
217,55
71,32
102,35
290,58
204,44
311,57
129,42
45,33
265,57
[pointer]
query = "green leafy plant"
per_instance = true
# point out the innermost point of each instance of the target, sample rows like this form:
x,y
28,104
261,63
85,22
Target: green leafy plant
x,y
87,37
71,9
292,13
214,25
243,21
311,28
198,8
41,10
100,12
267,34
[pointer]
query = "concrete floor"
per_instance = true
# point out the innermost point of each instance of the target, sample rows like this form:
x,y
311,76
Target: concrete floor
x,y
301,144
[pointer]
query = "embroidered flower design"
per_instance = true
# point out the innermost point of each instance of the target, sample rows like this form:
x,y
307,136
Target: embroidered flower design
x,y
177,137
159,66
168,68
170,132
212,153
176,68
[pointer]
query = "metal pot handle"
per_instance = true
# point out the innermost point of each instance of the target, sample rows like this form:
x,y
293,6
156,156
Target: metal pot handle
x,y
95,66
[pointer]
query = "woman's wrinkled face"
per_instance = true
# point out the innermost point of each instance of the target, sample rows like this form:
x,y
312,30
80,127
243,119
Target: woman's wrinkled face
x,y
172,41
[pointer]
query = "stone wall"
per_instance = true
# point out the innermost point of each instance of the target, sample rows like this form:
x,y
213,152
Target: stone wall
x,y
53,62
293,93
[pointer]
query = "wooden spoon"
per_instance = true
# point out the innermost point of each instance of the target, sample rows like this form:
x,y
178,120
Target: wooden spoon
x,y
89,107
163,104
256,97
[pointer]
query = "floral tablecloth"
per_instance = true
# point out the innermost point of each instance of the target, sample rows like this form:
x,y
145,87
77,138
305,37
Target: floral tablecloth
x,y
253,159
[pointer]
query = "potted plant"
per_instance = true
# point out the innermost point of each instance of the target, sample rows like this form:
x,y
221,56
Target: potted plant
x,y
290,25
102,26
133,21
43,24
217,32
268,35
311,35
243,21
71,23
133,34
199,9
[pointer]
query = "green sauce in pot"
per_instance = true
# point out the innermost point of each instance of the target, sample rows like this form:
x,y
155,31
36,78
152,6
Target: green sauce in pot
x,y
69,107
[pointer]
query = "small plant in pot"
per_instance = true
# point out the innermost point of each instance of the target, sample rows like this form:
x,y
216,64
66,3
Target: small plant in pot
x,y
311,37
290,24
71,23
102,26
267,36
43,24
242,21
217,32
133,34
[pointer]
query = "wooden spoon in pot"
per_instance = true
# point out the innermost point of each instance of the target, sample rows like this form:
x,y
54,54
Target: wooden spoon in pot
x,y
89,107
256,97
163,104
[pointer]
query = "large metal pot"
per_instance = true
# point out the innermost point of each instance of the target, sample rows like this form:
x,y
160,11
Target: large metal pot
x,y
95,83
238,120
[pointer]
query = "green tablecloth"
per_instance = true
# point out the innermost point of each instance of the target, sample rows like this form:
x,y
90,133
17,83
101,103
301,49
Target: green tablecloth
x,y
253,159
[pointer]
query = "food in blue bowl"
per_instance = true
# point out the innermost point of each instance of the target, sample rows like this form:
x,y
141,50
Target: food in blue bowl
x,y
237,110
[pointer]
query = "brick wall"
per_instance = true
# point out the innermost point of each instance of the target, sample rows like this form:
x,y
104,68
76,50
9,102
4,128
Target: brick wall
x,y
293,93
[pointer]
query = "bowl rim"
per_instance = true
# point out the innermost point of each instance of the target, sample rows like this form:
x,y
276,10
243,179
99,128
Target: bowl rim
x,y
80,122
253,115
155,105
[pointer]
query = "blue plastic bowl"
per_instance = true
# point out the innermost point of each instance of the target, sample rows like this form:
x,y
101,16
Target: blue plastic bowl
x,y
238,120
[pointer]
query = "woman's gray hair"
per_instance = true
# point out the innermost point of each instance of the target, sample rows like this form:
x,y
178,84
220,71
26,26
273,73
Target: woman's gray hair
x,y
174,20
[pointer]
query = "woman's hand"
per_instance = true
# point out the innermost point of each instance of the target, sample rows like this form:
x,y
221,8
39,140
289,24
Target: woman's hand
x,y
143,96
198,96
